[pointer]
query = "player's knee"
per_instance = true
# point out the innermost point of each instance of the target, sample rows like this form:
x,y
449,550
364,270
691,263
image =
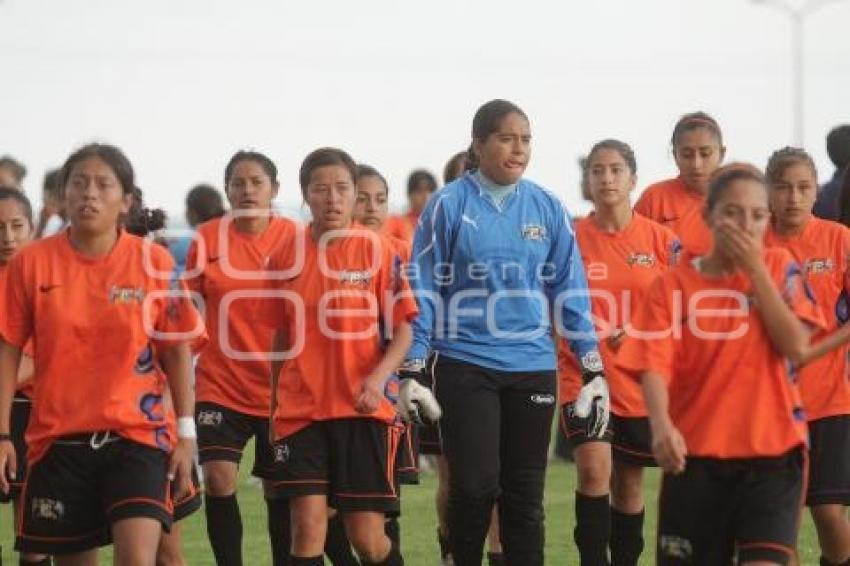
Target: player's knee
x,y
220,479
370,546
830,516
308,528
594,476
167,556
627,490
366,533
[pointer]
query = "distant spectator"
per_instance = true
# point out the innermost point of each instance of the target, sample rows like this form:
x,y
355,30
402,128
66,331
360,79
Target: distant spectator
x,y
203,202
844,198
838,148
52,217
420,185
12,173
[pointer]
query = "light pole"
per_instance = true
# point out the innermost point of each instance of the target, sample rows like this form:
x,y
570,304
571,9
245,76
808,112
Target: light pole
x,y
797,14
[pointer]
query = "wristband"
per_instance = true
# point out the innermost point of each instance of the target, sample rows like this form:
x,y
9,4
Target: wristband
x,y
186,428
5,436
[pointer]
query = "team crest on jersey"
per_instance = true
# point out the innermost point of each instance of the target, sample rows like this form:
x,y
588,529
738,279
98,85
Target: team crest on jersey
x,y
815,266
641,259
359,278
534,232
126,295
47,509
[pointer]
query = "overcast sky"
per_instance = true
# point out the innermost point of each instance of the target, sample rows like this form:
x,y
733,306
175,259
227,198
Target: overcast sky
x,y
182,84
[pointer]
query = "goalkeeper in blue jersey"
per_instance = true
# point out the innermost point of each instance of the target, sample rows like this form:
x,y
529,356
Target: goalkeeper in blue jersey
x,y
495,265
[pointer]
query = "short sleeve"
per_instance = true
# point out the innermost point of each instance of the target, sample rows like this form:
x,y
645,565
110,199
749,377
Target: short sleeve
x,y
16,324
395,296
194,281
649,344
177,319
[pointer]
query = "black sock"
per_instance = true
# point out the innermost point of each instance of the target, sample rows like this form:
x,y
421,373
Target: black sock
x,y
496,559
224,528
626,538
280,530
309,561
46,561
337,547
593,529
393,558
393,530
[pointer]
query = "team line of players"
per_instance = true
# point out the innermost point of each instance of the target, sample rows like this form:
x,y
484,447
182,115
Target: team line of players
x,y
747,412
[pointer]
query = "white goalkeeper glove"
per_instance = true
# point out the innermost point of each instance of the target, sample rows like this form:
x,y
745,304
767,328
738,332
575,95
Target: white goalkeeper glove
x,y
593,402
416,401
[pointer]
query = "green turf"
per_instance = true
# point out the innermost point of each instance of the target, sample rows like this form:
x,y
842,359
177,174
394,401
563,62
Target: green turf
x,y
418,524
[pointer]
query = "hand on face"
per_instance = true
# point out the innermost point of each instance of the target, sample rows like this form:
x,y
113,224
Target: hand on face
x,y
743,249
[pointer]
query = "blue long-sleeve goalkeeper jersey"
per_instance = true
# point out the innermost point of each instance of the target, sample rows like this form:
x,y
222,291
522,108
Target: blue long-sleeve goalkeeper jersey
x,y
490,281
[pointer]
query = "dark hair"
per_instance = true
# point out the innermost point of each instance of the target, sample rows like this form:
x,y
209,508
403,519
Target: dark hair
x,y
364,170
17,168
692,121
624,149
728,174
457,161
52,184
141,221
487,120
245,155
205,202
782,159
418,177
8,193
111,155
838,145
844,197
323,157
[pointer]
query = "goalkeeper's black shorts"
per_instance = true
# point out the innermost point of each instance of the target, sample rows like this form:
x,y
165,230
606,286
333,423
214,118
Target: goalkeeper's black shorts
x,y
716,509
829,461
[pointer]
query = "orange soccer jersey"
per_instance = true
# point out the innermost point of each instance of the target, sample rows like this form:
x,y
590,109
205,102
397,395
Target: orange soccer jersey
x,y
731,393
334,315
823,249
95,323
672,204
232,371
620,267
402,226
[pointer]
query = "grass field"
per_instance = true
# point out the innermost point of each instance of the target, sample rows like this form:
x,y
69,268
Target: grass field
x,y
418,525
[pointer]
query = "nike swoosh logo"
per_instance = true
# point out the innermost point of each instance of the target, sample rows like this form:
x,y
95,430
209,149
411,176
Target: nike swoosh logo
x,y
46,288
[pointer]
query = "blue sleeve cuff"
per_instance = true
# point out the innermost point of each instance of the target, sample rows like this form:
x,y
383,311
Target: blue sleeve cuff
x,y
417,351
